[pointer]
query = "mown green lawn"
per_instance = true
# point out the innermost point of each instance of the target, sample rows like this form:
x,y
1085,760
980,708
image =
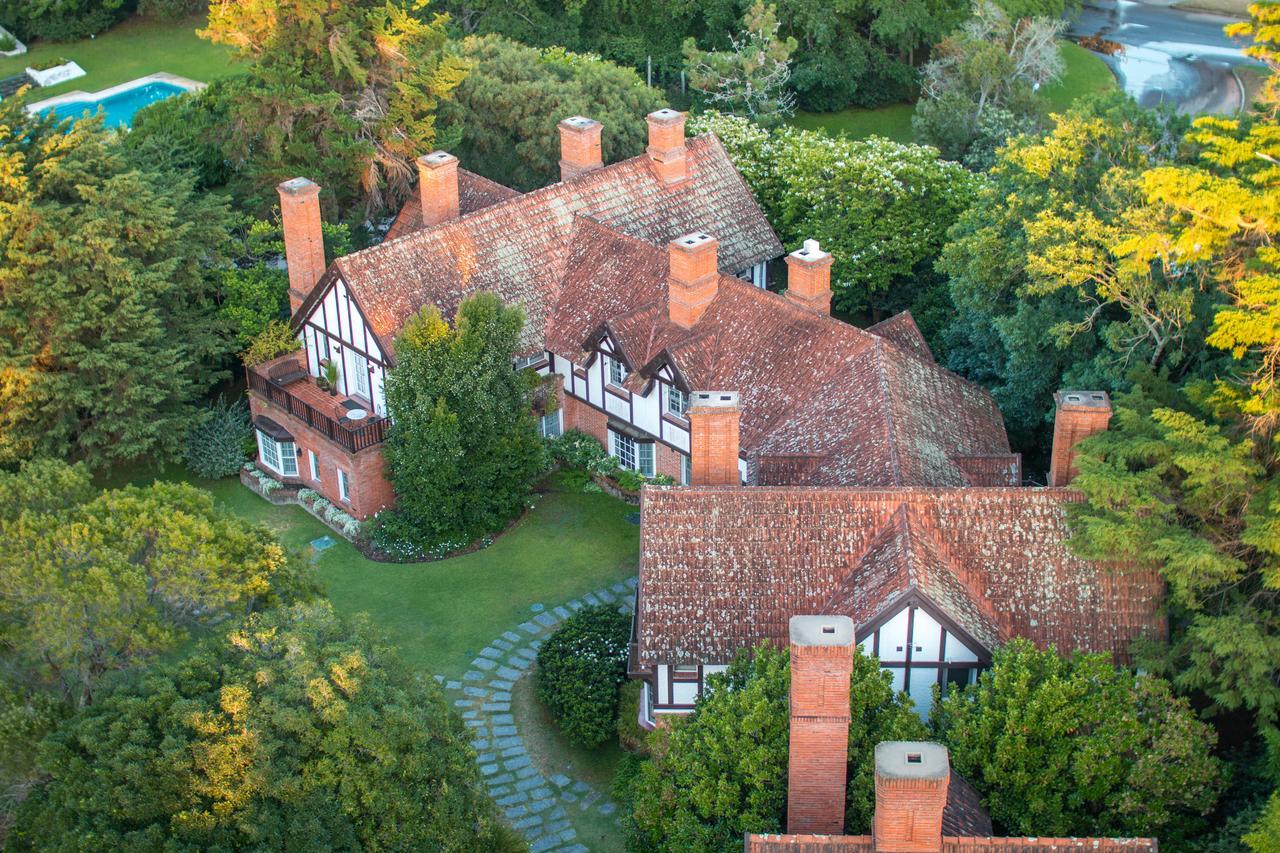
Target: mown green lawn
x,y
1085,74
131,49
441,614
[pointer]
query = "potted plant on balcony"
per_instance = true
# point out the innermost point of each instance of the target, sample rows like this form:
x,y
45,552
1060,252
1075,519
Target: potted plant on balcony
x,y
328,379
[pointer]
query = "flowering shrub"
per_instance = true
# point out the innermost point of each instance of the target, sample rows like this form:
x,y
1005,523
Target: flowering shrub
x,y
576,449
385,535
266,483
334,515
580,668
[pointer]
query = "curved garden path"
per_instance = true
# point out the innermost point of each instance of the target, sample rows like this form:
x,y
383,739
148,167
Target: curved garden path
x,y
540,807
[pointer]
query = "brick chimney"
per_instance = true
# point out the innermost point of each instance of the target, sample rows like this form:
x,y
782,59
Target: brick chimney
x,y
809,277
821,667
303,240
713,438
438,187
666,146
692,277
911,792
579,146
1079,415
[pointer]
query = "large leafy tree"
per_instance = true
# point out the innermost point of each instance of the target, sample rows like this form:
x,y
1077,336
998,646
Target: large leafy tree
x,y
295,731
343,92
107,328
880,208
1074,746
465,449
1047,295
992,63
749,78
508,107
722,771
99,582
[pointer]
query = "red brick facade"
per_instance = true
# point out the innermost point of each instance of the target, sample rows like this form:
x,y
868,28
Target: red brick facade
x,y
821,667
370,489
584,417
1079,415
713,439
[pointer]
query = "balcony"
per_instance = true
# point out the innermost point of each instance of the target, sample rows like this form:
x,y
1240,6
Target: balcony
x,y
284,383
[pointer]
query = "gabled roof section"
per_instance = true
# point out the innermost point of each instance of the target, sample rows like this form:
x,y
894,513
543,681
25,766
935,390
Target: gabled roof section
x,y
475,192
518,248
901,329
723,568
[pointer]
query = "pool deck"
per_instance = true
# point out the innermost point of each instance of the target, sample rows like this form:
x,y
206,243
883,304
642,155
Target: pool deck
x,y
79,95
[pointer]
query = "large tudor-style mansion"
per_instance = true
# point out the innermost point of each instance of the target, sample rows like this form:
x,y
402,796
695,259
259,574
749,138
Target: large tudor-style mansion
x,y
837,470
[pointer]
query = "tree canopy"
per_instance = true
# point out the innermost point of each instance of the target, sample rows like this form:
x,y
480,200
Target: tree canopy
x,y
344,93
1076,747
749,78
507,109
108,335
465,449
297,730
722,771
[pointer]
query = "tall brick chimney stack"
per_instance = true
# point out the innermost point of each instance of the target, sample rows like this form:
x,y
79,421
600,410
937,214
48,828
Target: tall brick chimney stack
x,y
1079,415
911,793
438,187
821,667
713,438
303,239
809,277
579,146
666,146
693,276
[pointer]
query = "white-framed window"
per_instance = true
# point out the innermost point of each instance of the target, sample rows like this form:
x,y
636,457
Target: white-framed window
x,y
677,401
632,454
344,486
529,360
686,470
279,456
359,375
617,372
314,462
549,425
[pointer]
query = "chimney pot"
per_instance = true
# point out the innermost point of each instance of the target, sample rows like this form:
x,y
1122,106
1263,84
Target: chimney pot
x,y
438,187
1078,415
667,152
579,146
822,649
713,438
912,778
303,237
809,277
693,277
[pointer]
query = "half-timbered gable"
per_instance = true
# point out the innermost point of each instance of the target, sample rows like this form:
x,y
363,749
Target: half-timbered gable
x,y
333,328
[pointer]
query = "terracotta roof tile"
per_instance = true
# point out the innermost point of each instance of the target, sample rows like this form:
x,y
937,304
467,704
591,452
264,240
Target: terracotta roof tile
x,y
950,844
902,330
517,248
723,568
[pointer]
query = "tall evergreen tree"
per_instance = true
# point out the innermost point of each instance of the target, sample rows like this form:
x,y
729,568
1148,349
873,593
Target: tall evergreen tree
x,y
344,93
107,326
464,451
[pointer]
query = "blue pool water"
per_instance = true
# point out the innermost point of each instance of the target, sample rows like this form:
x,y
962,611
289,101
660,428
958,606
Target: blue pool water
x,y
119,108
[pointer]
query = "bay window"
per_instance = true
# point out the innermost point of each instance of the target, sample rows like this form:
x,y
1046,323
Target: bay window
x,y
279,456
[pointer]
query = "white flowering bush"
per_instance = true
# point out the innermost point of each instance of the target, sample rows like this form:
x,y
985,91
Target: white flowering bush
x,y
334,515
881,208
580,668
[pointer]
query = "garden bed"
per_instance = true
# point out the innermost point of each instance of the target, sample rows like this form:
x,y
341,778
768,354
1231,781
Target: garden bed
x,y
317,505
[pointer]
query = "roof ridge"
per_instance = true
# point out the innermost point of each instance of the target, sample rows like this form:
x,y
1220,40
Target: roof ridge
x,y
950,565
889,526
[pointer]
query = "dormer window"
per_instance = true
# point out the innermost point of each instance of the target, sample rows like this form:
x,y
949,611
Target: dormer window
x,y
617,372
677,401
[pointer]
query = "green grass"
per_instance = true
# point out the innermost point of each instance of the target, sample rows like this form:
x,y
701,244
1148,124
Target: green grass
x,y
1085,74
127,51
441,614
552,753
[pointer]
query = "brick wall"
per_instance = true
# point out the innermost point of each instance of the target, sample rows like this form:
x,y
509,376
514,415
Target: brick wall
x,y
1078,415
820,674
713,444
370,489
582,417
668,460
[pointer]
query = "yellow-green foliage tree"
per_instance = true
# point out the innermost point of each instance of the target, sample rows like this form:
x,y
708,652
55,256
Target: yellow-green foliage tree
x,y
344,93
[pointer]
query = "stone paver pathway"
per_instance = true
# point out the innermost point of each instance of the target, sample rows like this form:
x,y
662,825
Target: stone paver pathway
x,y
537,806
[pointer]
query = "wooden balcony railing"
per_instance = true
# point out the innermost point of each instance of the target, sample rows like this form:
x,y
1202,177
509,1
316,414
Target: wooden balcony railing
x,y
349,436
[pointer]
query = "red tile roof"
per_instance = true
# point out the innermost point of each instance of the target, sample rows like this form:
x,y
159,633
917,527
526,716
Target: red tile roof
x,y
950,844
475,192
723,568
517,248
823,402
903,331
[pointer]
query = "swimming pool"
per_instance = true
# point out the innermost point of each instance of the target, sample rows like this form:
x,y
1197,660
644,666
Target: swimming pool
x,y
119,104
